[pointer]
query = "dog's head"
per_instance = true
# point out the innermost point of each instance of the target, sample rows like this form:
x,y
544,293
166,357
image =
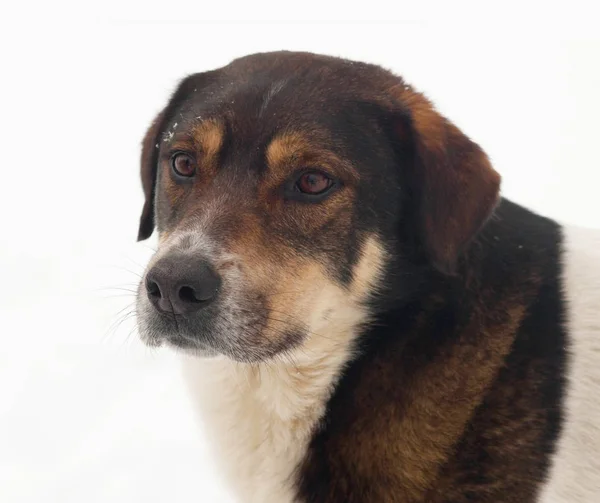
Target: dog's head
x,y
288,189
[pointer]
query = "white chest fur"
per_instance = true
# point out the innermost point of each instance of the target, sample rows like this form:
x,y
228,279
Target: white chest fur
x,y
575,473
260,418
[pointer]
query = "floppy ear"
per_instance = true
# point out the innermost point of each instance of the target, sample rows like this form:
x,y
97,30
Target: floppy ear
x,y
187,86
148,172
453,184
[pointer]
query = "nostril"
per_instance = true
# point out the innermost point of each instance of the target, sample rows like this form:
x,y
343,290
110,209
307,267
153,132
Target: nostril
x,y
181,284
188,294
153,289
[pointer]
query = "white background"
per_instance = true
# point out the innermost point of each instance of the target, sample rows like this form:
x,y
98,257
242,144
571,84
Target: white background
x,y
87,414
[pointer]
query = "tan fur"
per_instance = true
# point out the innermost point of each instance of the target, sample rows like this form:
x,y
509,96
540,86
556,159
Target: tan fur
x,y
290,281
305,149
208,137
260,417
284,148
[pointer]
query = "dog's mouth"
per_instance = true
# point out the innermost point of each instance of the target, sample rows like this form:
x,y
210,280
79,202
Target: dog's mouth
x,y
244,334
195,337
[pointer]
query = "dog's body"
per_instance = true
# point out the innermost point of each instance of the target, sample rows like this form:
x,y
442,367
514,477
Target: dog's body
x,y
398,335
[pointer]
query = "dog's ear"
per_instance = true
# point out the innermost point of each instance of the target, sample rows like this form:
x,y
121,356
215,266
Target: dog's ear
x,y
453,186
189,85
148,171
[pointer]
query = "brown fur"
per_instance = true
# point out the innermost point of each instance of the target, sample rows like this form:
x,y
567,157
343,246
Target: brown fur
x,y
434,398
458,185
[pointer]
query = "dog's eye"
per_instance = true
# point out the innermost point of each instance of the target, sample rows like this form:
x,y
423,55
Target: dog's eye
x,y
183,165
314,183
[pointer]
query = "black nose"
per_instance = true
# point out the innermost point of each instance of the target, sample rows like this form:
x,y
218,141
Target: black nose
x,y
182,284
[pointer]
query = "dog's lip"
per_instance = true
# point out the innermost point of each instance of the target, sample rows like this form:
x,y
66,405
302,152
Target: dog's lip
x,y
190,346
181,341
178,341
153,342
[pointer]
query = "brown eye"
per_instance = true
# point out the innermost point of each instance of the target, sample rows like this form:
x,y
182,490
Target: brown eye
x,y
183,165
314,183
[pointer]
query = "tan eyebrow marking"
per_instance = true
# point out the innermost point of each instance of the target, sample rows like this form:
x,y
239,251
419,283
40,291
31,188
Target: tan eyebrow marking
x,y
305,150
208,136
284,147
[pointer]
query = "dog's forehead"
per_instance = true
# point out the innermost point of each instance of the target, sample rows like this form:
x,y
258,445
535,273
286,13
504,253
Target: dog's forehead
x,y
279,89
239,111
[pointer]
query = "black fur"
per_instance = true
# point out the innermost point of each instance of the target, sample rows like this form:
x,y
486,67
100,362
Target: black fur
x,y
515,250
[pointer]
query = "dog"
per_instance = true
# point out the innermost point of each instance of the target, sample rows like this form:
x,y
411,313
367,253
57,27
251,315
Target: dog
x,y
362,317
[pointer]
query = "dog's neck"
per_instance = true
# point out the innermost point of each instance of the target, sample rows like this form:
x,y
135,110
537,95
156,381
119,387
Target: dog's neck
x,y
429,362
261,416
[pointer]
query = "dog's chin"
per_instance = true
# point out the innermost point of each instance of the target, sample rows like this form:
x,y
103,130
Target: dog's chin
x,y
179,344
191,347
194,347
240,353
